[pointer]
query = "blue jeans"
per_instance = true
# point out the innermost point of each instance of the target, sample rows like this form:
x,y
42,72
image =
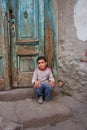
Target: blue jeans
x,y
44,90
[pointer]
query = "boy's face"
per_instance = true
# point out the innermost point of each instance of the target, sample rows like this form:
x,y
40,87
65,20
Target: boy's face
x,y
42,64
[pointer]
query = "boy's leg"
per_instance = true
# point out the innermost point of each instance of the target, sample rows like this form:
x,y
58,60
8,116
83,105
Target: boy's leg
x,y
47,92
38,92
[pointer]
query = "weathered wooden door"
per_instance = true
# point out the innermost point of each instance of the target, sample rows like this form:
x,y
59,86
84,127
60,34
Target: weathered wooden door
x,y
27,38
27,30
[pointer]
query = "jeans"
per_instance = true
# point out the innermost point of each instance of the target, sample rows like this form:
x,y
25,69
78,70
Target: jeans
x,y
44,90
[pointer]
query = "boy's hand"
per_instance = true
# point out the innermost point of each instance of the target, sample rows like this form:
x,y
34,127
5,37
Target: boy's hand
x,y
36,84
52,84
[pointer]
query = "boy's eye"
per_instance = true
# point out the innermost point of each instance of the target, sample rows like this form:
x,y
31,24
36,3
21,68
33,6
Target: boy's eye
x,y
40,62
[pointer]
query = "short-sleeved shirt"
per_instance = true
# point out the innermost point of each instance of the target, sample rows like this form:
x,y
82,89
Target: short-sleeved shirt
x,y
42,76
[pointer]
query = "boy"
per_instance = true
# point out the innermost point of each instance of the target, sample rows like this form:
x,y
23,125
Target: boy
x,y
42,80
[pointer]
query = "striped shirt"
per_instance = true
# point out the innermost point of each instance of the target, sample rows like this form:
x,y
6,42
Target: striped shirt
x,y
42,76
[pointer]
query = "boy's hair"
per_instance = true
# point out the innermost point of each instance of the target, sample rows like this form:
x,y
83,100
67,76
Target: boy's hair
x,y
41,58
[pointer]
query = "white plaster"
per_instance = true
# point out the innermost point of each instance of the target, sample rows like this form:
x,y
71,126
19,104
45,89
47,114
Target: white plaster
x,y
80,19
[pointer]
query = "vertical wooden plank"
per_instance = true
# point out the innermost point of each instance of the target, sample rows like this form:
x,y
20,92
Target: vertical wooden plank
x,y
36,19
0,66
50,36
41,27
13,54
2,86
6,73
13,42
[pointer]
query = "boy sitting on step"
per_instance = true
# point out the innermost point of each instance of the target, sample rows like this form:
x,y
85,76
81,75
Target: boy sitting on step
x,y
43,80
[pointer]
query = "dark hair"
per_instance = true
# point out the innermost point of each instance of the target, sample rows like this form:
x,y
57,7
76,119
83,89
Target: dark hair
x,y
41,58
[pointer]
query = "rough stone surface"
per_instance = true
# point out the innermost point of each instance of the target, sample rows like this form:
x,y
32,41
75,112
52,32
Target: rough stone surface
x,y
6,124
75,77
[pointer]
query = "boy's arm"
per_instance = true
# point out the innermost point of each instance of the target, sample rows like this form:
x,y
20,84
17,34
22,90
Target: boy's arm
x,y
52,84
34,80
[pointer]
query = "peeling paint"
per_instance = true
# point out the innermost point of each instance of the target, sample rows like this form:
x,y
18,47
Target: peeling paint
x,y
49,49
80,19
26,50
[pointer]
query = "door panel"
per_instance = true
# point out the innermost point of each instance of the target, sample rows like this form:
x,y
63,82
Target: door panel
x,y
27,39
27,16
4,46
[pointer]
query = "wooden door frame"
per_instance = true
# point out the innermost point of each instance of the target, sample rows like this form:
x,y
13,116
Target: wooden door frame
x,y
5,47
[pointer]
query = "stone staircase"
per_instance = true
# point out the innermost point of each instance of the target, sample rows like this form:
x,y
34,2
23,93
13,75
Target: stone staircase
x,y
20,107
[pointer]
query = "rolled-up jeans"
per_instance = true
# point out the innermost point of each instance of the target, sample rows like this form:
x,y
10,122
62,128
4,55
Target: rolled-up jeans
x,y
44,90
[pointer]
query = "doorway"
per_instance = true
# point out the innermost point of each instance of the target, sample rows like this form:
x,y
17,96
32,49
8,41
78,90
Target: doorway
x,y
28,33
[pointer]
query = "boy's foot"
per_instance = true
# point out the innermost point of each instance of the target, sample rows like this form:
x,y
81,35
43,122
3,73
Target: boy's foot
x,y
40,100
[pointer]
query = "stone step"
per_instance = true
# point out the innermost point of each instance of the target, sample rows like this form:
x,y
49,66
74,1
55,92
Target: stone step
x,y
20,94
46,114
19,105
31,114
16,94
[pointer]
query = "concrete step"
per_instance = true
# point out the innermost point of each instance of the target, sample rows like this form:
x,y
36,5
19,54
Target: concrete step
x,y
20,106
16,94
30,114
21,94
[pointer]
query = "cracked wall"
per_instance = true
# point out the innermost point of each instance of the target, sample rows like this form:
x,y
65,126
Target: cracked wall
x,y
72,47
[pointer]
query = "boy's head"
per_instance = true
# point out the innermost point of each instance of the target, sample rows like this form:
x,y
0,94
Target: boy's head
x,y
42,62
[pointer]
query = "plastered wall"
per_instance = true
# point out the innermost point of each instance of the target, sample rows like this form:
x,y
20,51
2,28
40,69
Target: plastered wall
x,y
72,47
